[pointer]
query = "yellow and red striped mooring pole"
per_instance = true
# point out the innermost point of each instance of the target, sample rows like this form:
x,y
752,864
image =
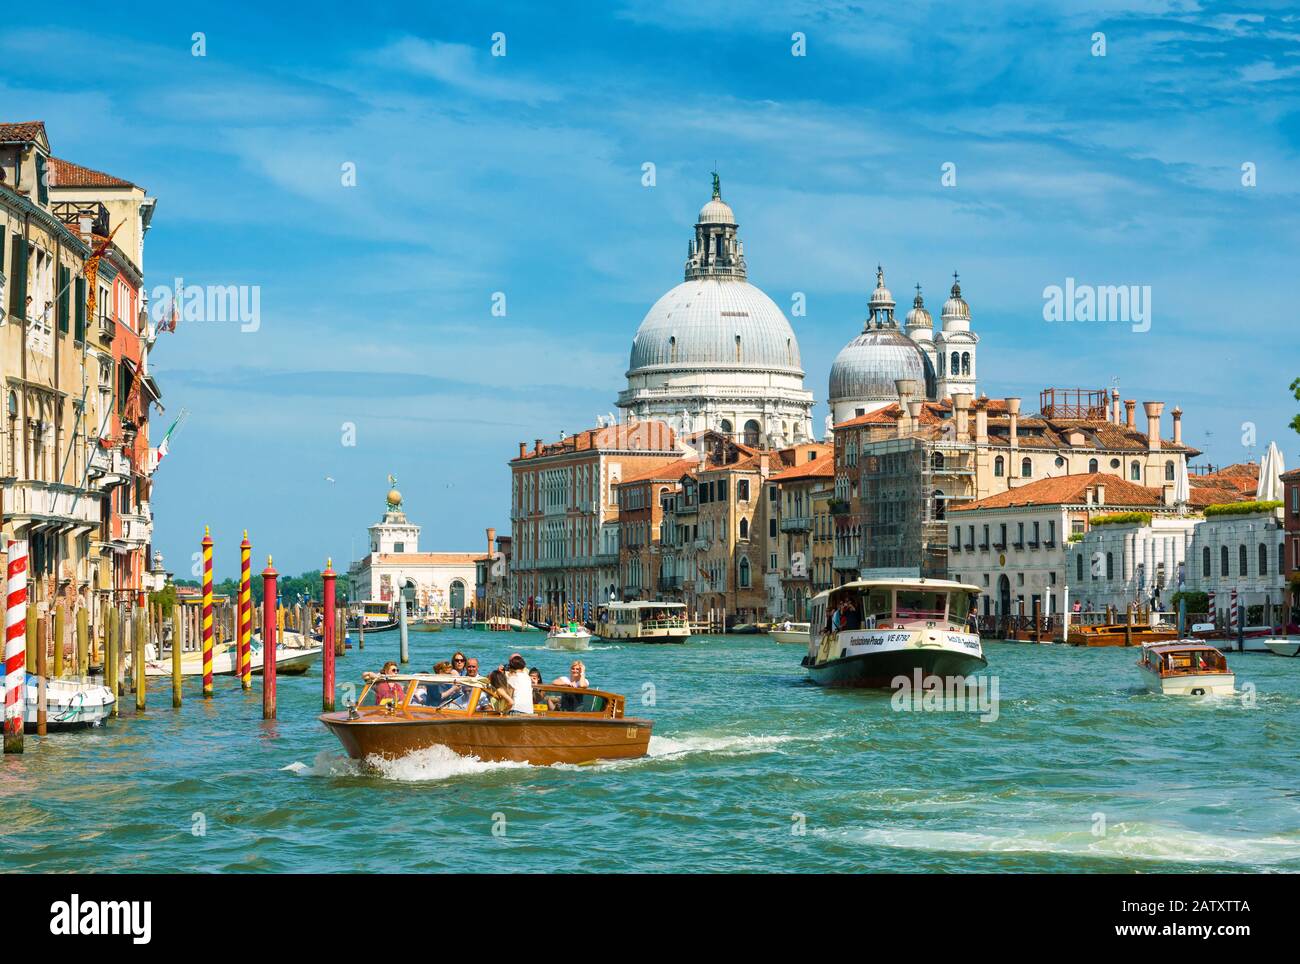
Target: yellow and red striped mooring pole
x,y
207,612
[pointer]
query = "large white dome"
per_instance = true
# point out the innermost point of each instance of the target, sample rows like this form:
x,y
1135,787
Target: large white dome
x,y
712,324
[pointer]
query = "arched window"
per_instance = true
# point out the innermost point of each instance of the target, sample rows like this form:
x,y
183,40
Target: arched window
x,y
954,364
726,427
1169,471
965,363
672,348
752,432
456,598
1026,467
744,573
744,528
1241,561
936,461
943,364
940,504
1205,563
1092,465
737,346
999,467
1223,561
1263,559
1135,471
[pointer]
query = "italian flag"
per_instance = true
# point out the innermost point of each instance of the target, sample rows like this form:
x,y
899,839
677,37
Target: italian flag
x,y
164,446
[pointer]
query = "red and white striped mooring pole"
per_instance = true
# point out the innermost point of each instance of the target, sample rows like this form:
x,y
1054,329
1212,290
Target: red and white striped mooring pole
x,y
13,683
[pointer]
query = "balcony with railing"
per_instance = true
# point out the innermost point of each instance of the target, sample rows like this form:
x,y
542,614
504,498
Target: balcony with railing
x,y
844,561
796,523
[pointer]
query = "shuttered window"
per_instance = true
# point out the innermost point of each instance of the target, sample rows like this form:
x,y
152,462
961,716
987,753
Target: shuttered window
x,y
65,278
81,309
18,281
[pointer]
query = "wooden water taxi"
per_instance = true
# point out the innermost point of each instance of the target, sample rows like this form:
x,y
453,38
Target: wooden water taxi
x,y
568,725
1118,634
792,633
644,622
897,626
1186,667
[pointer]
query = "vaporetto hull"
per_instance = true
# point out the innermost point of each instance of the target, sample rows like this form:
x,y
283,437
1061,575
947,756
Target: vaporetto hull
x,y
875,658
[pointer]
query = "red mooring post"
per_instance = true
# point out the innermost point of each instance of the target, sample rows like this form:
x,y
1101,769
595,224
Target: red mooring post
x,y
327,677
269,601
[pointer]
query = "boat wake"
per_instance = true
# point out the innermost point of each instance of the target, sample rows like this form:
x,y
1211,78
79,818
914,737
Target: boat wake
x,y
668,747
421,766
1127,841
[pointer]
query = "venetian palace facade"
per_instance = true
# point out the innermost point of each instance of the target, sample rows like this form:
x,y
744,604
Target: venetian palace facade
x,y
76,466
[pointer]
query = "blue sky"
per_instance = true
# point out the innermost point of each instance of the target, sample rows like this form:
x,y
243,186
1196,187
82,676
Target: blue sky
x,y
523,174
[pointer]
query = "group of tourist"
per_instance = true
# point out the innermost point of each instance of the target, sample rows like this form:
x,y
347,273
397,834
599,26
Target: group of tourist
x,y
509,689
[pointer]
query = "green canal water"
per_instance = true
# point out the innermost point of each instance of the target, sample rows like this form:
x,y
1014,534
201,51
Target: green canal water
x,y
751,769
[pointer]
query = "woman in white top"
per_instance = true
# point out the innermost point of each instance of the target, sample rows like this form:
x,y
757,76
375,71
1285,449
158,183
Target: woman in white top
x,y
521,683
577,676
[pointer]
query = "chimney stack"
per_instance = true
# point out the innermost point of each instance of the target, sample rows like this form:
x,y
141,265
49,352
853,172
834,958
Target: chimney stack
x,y
1114,405
1101,493
523,447
1178,425
1154,410
982,422
961,415
1130,406
900,424
492,540
1013,410
537,446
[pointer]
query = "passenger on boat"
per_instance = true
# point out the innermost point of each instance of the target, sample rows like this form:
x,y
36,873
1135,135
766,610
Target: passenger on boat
x,y
498,692
535,675
851,619
386,689
458,665
520,684
835,618
577,676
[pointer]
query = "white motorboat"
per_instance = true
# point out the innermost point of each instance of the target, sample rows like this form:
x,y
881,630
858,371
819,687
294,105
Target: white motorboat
x,y
1284,645
71,702
792,633
1186,667
571,637
294,656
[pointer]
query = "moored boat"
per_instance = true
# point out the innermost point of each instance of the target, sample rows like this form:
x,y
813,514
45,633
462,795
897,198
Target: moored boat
x,y
373,616
294,656
1283,645
1119,634
568,725
645,622
71,702
791,633
1185,667
896,627
1252,639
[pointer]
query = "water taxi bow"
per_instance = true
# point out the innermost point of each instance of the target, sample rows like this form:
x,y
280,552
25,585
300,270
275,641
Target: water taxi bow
x,y
400,713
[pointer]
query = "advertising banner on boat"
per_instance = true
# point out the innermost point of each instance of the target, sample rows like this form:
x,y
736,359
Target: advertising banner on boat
x,y
886,640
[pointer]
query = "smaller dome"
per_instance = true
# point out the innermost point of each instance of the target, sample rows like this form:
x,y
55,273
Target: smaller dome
x,y
717,211
919,316
955,306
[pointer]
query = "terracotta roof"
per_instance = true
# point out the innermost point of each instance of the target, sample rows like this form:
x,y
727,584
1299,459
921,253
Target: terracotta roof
x,y
1203,495
427,558
820,468
1243,477
66,174
1292,476
649,437
22,132
930,415
1069,490
669,472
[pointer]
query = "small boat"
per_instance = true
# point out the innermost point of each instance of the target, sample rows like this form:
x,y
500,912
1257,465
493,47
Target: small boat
x,y
501,624
1284,645
1254,639
1186,667
1116,634
792,633
645,622
425,626
746,629
374,616
900,626
570,637
568,725
71,702
294,657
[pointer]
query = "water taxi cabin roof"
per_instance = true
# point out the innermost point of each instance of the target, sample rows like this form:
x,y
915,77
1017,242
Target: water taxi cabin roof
x,y
930,584
431,678
1190,646
644,604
